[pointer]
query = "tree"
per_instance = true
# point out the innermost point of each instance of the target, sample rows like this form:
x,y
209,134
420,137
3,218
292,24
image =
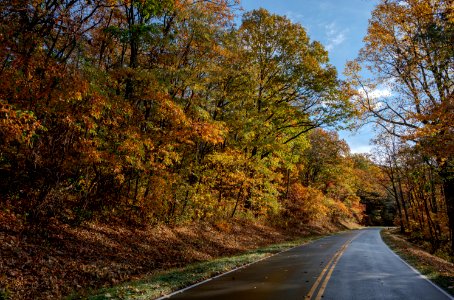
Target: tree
x,y
409,49
293,87
324,159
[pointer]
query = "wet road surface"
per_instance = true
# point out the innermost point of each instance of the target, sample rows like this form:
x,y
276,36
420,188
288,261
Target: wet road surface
x,y
351,265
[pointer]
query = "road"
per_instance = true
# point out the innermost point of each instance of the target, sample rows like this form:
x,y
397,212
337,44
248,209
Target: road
x,y
351,265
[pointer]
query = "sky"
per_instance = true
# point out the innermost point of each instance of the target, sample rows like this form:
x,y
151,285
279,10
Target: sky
x,y
340,25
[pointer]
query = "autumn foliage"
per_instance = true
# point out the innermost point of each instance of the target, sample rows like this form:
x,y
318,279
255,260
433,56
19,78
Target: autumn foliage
x,y
155,111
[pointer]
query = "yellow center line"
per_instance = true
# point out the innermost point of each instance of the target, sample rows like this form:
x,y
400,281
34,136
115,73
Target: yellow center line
x,y
319,278
330,265
328,276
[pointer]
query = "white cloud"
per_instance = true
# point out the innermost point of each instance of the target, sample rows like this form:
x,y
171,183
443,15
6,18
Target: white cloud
x,y
375,95
294,17
336,40
360,149
334,35
380,93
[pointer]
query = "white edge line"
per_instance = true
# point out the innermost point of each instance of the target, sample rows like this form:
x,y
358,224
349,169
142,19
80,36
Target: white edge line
x,y
236,269
417,272
211,278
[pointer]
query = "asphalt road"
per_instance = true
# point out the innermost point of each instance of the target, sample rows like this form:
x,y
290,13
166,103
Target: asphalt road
x,y
351,265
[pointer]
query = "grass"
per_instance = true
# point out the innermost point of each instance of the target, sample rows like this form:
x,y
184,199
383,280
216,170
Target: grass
x,y
165,282
436,269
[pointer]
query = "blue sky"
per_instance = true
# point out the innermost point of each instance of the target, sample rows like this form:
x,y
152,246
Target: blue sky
x,y
340,25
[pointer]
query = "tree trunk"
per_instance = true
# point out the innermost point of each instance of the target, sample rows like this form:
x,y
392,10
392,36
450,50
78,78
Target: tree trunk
x,y
447,176
448,189
237,201
399,208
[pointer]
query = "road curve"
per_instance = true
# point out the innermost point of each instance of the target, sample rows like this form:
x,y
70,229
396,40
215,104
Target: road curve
x,y
351,265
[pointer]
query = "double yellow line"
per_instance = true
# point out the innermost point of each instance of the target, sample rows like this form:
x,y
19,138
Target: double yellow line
x,y
328,268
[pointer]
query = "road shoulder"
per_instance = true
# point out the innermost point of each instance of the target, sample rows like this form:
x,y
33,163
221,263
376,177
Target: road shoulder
x,y
439,271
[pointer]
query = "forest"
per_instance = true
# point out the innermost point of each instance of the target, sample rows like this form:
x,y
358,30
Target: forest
x,y
175,112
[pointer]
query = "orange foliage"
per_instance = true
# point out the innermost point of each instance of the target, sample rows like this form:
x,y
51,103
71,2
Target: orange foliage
x,y
17,125
305,204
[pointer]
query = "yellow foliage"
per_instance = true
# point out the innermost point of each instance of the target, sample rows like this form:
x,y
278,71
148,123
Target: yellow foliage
x,y
17,125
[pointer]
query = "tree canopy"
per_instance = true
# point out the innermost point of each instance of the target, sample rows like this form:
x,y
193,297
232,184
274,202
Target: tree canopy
x,y
409,52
